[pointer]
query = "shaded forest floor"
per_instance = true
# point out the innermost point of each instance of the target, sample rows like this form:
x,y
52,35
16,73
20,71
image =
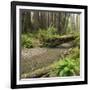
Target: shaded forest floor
x,y
37,60
48,54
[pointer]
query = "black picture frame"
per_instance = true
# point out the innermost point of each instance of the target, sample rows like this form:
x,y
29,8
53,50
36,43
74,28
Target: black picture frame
x,y
14,4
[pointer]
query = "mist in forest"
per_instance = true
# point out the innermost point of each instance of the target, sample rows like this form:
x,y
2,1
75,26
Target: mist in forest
x,y
32,21
50,44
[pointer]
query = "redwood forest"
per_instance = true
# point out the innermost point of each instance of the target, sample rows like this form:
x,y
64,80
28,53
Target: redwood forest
x,y
50,43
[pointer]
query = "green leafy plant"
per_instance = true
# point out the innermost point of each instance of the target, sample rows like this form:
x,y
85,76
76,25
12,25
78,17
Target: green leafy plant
x,y
66,67
69,66
46,33
26,41
29,41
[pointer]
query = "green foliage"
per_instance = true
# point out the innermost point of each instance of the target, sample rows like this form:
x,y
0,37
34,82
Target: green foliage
x,y
46,33
51,30
46,38
69,66
76,42
28,41
66,67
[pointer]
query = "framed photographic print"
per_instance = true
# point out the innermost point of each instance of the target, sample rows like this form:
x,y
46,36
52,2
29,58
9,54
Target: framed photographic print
x,y
48,44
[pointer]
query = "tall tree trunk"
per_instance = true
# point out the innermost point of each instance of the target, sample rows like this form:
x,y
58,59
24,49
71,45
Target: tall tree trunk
x,y
26,22
36,20
78,22
58,22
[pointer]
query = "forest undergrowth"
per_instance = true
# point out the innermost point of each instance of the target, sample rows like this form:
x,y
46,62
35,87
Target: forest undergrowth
x,y
67,64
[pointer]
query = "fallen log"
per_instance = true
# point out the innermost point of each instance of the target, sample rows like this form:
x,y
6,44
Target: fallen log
x,y
38,73
55,41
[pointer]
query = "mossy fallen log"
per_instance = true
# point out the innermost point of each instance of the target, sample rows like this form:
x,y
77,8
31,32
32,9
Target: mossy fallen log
x,y
55,41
